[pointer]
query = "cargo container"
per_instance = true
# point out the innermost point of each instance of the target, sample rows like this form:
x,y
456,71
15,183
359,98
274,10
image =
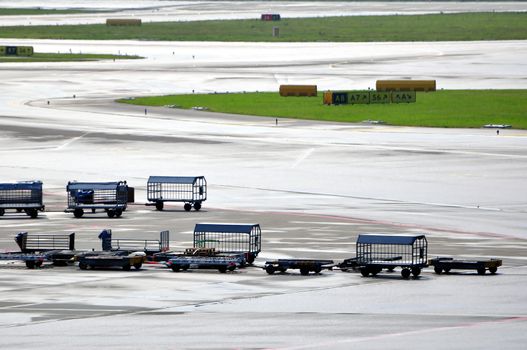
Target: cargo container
x,y
123,22
270,17
298,90
406,85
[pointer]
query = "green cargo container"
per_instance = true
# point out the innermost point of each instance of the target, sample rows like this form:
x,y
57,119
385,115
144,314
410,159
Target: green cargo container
x,y
358,97
403,96
24,51
2,50
379,97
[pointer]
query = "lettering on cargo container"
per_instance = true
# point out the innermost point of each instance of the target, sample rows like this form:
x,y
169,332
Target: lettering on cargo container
x,y
359,97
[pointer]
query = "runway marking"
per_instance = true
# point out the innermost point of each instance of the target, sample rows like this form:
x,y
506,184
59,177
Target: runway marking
x,y
302,157
399,334
69,142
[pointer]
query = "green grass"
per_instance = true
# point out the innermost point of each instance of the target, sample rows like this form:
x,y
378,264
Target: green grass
x,y
439,27
63,57
445,108
39,11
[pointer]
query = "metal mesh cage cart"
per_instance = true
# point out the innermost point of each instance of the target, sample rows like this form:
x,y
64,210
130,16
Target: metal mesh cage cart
x,y
192,190
112,197
22,196
230,238
377,252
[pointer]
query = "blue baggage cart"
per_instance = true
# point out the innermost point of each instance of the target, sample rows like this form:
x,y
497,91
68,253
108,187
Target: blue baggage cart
x,y
191,190
111,197
22,196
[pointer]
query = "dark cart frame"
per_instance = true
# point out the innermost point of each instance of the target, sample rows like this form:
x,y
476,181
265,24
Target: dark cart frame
x,y
22,196
377,252
221,263
148,246
119,259
304,265
230,239
192,190
112,197
442,264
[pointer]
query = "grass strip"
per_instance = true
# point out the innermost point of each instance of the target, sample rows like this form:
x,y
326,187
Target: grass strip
x,y
437,27
445,108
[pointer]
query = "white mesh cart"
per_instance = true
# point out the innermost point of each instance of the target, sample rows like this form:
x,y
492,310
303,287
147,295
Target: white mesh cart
x,y
191,190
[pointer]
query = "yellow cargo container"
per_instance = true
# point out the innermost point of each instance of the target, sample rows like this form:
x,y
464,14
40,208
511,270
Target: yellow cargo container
x,y
298,90
327,97
123,22
406,85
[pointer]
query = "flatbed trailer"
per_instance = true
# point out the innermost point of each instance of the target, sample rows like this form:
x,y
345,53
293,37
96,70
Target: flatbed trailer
x,y
304,265
220,263
97,260
444,264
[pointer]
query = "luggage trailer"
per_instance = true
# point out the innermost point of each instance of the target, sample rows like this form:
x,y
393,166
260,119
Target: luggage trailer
x,y
191,190
111,197
304,265
227,239
22,196
150,247
443,264
377,252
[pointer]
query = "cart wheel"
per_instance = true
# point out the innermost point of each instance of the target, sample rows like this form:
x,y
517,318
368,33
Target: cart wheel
x,y
2,211
118,213
481,271
78,213
270,269
447,270
175,268
127,267
405,273
187,206
318,269
30,264
304,271
138,266
343,269
33,213
493,269
231,268
185,267
283,270
197,205
375,271
159,206
83,266
110,213
222,269
364,271
438,270
416,271
93,210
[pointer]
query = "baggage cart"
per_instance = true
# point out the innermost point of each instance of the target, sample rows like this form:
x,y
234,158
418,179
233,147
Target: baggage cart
x,y
443,264
191,190
377,252
220,263
230,239
105,260
111,197
304,265
149,246
22,196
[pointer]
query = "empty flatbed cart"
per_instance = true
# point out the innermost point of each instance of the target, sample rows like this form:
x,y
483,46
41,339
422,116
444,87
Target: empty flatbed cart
x,y
111,197
191,190
21,196
304,265
230,239
377,252
442,264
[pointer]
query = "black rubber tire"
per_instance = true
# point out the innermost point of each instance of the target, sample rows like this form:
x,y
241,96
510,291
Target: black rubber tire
x,y
250,259
38,263
438,270
493,270
197,206
304,271
317,269
416,271
93,210
375,271
110,213
175,268
282,270
405,273
364,271
30,264
270,269
138,266
159,206
447,269
78,213
83,266
2,211
187,206
118,213
231,268
343,269
222,269
127,267
481,271
185,267
33,213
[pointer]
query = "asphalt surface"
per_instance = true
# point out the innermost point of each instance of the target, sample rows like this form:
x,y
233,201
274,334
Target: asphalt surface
x,y
312,186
